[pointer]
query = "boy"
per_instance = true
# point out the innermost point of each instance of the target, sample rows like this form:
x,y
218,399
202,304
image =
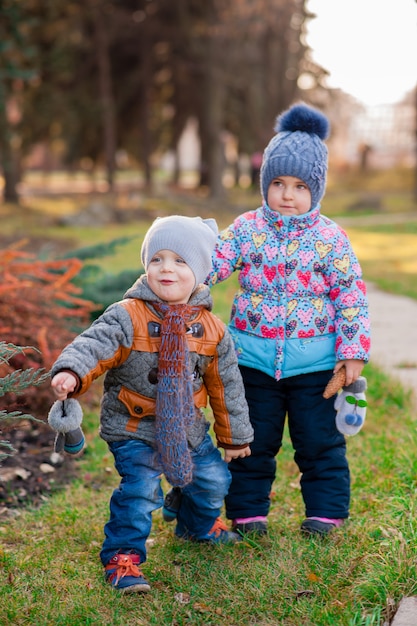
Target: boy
x,y
163,353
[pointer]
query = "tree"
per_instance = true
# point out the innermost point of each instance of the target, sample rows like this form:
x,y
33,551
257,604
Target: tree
x,y
109,75
106,93
16,66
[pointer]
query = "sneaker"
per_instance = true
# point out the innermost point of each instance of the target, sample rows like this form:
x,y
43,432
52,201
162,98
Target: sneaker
x,y
218,533
255,528
312,526
172,504
123,573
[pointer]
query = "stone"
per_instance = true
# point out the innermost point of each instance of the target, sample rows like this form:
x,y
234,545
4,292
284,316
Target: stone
x,y
406,614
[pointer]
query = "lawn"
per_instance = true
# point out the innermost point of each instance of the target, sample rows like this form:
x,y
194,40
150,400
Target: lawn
x,y
50,572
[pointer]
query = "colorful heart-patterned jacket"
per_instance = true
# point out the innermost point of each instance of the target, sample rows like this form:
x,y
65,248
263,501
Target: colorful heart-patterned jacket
x,y
302,302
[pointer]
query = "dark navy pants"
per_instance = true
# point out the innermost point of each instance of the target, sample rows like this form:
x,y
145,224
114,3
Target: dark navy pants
x,y
319,448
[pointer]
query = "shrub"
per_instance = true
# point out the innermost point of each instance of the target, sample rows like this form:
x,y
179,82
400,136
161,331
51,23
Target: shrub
x,y
40,306
97,285
16,382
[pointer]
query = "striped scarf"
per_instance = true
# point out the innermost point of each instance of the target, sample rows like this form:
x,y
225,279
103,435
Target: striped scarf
x,y
175,410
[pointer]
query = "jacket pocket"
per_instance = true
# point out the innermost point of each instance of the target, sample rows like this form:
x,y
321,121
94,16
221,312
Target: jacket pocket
x,y
138,406
309,354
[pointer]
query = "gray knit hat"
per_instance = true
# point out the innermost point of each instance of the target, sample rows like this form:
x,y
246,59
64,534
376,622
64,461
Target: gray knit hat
x,y
192,238
298,150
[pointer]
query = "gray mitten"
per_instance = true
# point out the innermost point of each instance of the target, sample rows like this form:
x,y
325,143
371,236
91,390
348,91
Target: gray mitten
x,y
65,416
351,405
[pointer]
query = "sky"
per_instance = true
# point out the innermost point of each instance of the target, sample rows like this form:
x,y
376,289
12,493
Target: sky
x,y
368,46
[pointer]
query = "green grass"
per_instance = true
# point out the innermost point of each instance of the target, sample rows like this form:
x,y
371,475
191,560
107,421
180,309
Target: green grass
x,y
50,573
388,256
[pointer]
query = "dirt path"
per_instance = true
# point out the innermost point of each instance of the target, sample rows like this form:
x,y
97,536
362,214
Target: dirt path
x,y
394,335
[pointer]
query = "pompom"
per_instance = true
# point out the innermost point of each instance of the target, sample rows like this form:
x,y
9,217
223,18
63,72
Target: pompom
x,y
65,415
305,119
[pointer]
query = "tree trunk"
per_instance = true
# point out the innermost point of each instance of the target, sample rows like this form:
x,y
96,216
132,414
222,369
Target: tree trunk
x,y
212,124
105,91
8,161
146,81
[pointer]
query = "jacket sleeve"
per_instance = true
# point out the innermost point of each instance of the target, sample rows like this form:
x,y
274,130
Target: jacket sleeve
x,y
226,257
226,392
102,346
348,296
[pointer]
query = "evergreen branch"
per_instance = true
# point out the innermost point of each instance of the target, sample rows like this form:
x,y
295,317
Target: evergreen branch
x,y
17,415
9,350
99,250
7,446
18,381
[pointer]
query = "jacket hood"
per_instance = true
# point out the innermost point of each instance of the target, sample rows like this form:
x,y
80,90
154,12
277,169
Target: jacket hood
x,y
141,290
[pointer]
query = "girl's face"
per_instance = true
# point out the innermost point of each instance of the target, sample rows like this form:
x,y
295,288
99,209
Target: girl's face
x,y
289,196
170,277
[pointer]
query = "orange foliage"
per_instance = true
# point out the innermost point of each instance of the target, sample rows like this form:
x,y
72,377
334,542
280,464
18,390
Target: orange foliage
x,y
39,307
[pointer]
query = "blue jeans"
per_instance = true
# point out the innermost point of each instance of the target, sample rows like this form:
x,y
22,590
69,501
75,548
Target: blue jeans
x,y
140,493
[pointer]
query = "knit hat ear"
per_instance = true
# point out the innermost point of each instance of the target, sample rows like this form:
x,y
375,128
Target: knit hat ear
x,y
298,150
192,238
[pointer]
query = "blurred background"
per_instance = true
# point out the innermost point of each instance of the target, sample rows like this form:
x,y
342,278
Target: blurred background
x,y
113,112
111,97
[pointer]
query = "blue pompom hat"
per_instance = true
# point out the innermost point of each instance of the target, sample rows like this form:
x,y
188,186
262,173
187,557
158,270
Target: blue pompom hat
x,y
298,150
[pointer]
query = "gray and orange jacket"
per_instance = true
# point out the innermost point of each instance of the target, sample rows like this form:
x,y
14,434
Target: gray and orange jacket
x,y
123,343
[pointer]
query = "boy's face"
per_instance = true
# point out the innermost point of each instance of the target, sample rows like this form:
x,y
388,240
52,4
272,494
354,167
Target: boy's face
x,y
170,278
289,195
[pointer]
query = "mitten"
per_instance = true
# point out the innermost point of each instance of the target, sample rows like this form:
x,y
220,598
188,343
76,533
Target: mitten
x,y
65,416
351,405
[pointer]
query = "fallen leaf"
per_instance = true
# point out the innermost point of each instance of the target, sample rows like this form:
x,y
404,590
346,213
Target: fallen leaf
x,y
182,598
304,592
46,468
201,608
8,473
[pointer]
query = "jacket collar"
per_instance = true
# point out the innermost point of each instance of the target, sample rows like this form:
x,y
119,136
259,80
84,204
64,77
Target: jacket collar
x,y
140,289
292,223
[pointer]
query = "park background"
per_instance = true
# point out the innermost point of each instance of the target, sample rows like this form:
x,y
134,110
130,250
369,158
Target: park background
x,y
110,115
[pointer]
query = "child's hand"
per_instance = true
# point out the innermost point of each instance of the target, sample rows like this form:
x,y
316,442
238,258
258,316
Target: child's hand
x,y
353,369
63,384
236,454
